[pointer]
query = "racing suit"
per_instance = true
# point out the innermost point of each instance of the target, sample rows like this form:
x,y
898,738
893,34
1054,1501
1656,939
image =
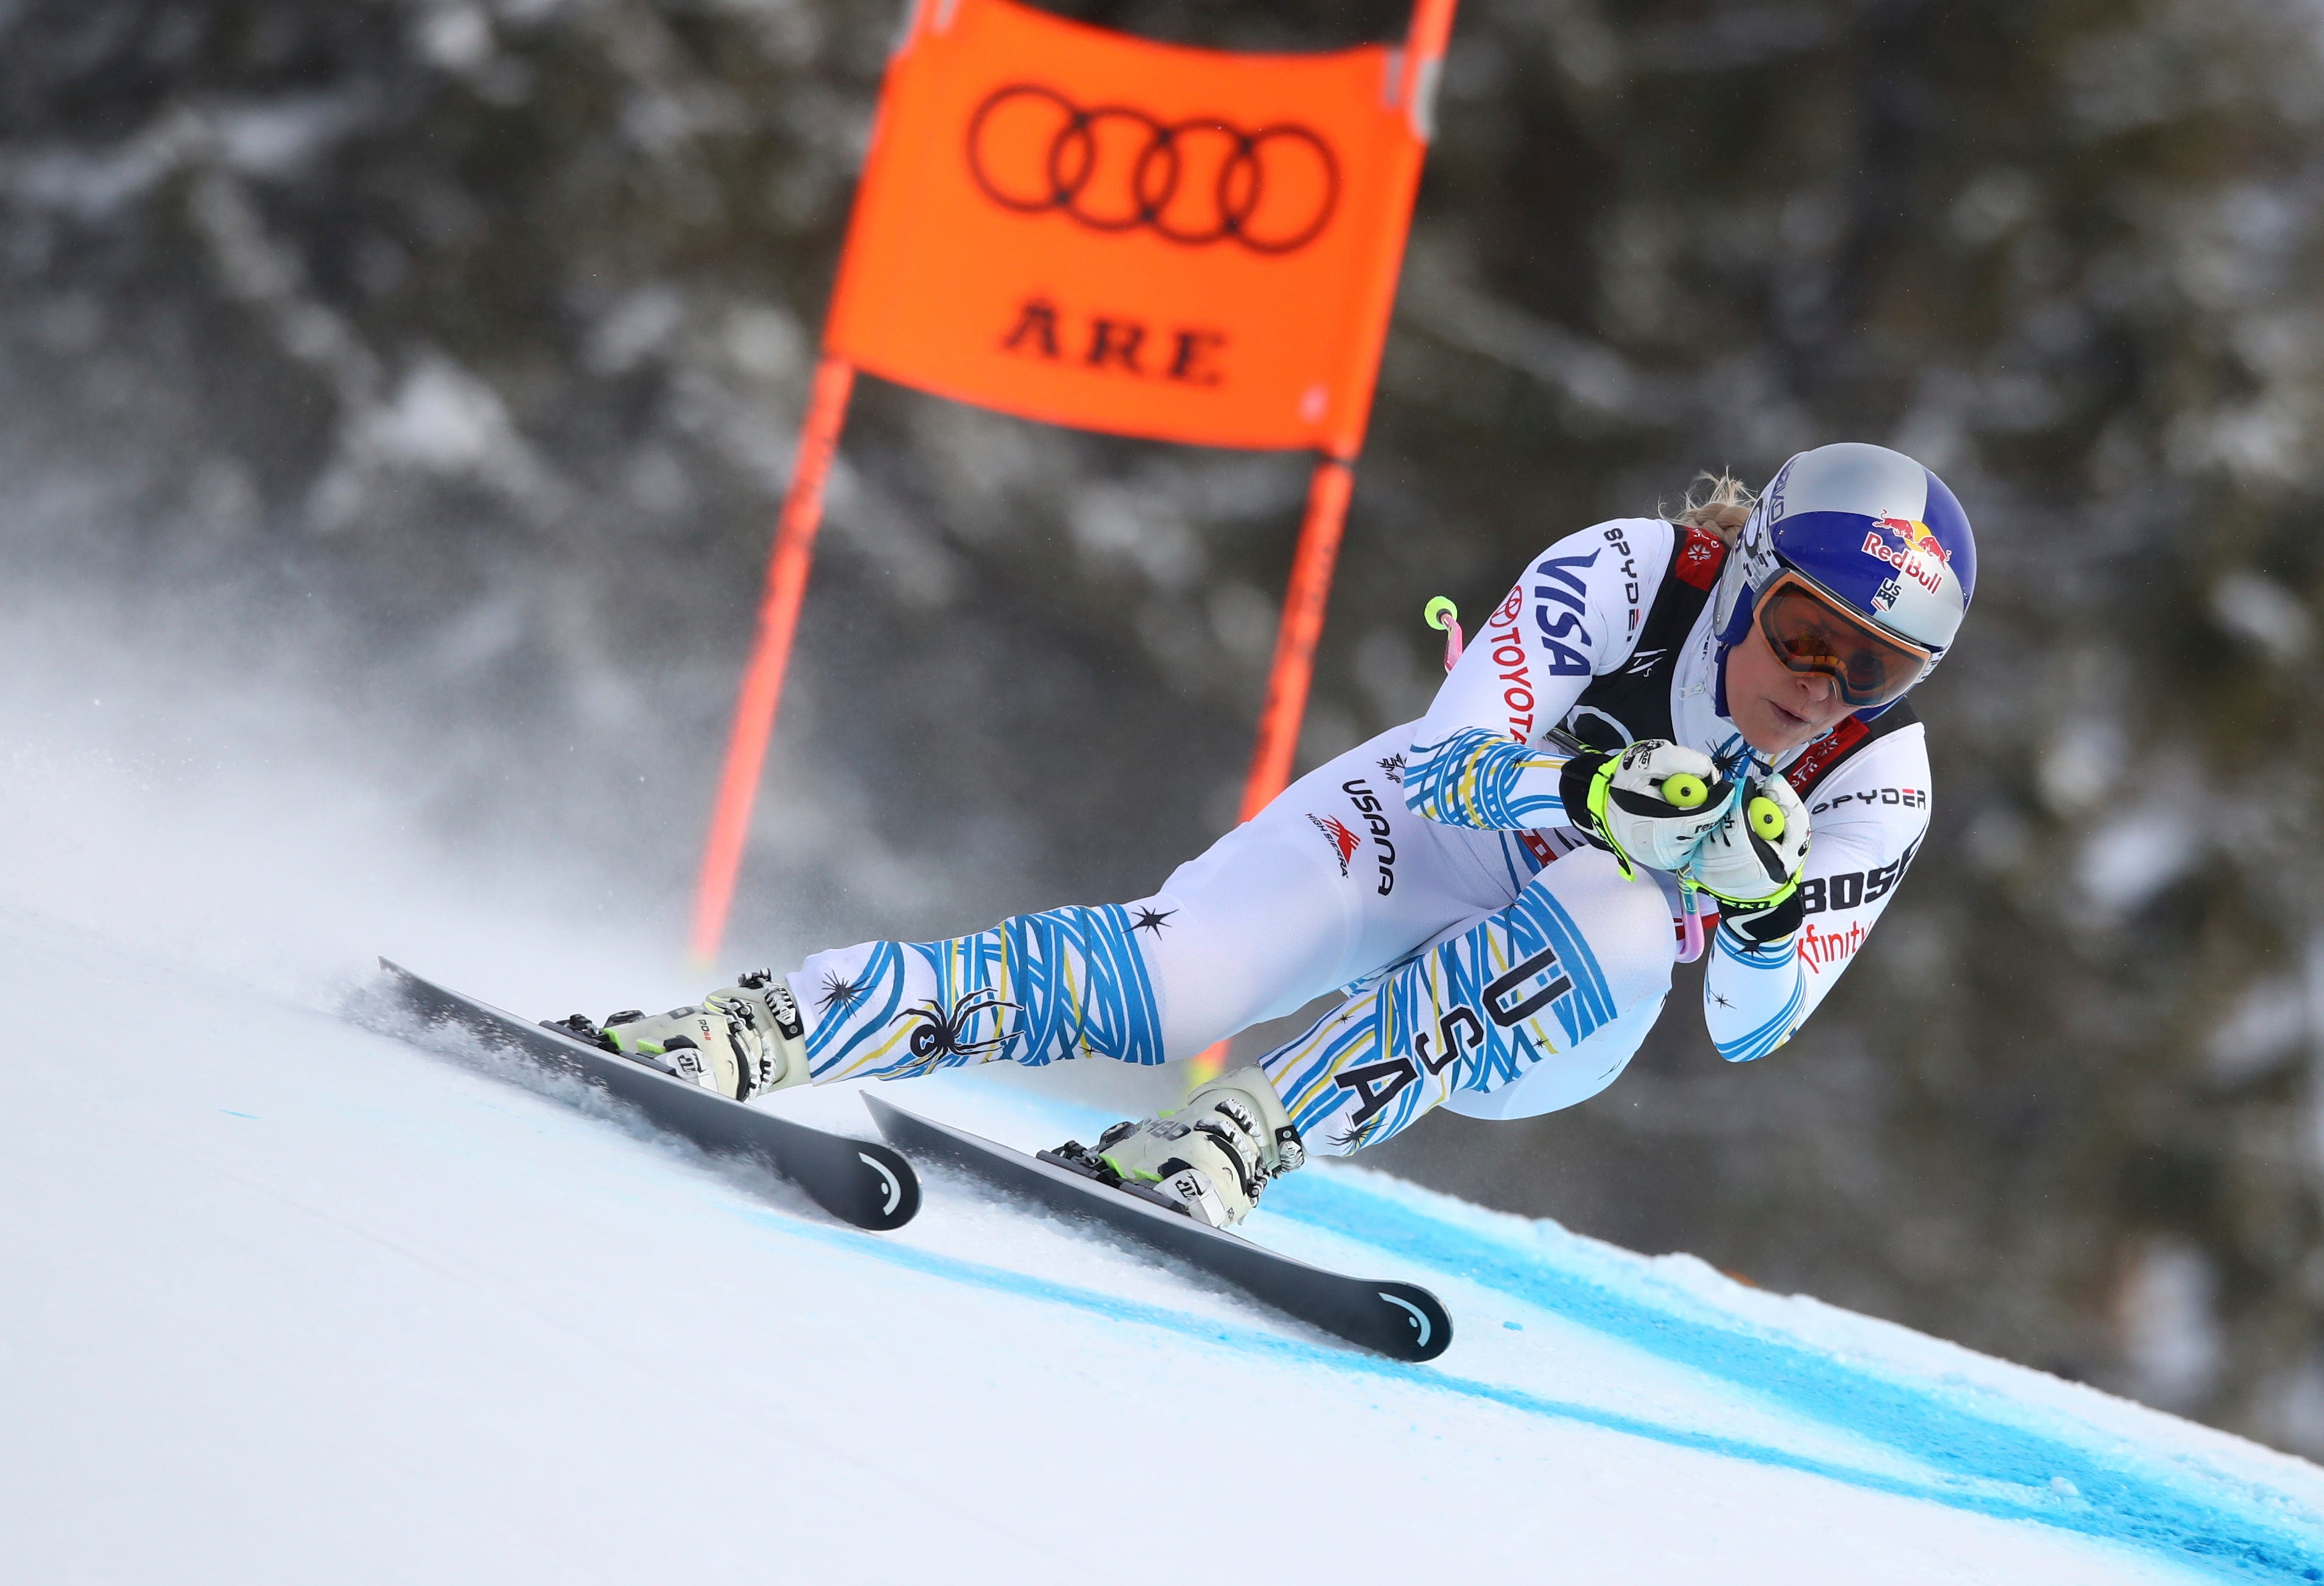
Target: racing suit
x,y
1494,961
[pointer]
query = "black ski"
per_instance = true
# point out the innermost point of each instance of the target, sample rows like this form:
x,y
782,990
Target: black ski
x,y
861,1181
1400,1320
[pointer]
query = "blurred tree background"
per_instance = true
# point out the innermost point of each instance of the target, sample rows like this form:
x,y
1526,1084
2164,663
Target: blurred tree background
x,y
455,350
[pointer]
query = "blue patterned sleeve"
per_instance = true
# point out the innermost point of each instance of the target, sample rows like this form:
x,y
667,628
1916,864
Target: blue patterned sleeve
x,y
1478,779
1869,817
1752,998
1574,615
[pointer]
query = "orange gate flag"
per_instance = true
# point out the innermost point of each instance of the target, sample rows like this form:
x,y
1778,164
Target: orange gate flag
x,y
1074,225
1098,231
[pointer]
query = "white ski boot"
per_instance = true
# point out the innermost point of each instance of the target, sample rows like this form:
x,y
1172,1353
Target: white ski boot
x,y
1213,1155
745,1040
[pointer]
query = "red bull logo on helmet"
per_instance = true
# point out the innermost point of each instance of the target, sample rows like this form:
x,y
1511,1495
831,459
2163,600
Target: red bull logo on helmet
x,y
1917,537
1920,557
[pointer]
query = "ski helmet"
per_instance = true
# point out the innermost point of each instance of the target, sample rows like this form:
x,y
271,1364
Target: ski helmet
x,y
1856,561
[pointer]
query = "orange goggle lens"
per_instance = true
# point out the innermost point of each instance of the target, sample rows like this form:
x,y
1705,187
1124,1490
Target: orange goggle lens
x,y
1810,633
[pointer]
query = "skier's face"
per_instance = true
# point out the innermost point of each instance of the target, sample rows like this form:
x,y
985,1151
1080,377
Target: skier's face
x,y
1777,709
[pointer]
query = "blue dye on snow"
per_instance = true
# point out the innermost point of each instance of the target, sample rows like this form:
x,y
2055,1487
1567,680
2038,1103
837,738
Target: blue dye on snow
x,y
2112,1500
1254,1341
2190,1532
2196,1516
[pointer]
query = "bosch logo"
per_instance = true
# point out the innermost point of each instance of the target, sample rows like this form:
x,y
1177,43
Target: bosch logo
x,y
1116,169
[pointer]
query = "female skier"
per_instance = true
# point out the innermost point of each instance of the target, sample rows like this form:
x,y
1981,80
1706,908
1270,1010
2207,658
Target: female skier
x,y
1633,749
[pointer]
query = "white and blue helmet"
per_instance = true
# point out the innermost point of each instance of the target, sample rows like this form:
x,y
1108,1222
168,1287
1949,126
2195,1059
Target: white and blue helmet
x,y
1875,533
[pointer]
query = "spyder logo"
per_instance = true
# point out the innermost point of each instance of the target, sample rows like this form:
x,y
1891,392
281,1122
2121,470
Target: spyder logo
x,y
938,1036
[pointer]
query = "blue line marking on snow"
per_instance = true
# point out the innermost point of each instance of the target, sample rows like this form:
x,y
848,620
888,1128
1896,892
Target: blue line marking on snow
x,y
2192,1513
2195,1537
230,1112
2116,1502
1001,1281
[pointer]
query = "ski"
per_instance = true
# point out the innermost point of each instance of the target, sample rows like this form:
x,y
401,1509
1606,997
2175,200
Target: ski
x,y
860,1181
1400,1320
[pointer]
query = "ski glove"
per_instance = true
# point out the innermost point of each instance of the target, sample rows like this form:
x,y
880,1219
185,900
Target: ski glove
x,y
1751,861
1651,803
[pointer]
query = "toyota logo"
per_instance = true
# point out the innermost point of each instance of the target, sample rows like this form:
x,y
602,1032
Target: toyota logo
x,y
1114,169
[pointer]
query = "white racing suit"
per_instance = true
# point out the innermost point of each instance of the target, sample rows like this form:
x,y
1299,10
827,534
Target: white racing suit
x,y
1494,962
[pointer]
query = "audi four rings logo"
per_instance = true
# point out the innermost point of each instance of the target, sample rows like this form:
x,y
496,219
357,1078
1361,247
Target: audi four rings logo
x,y
1115,169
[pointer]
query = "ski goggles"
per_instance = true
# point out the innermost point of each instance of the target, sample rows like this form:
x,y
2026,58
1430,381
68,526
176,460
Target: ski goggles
x,y
1811,632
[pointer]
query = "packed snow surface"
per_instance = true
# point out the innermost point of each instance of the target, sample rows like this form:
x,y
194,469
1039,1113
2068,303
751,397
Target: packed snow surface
x,y
292,1296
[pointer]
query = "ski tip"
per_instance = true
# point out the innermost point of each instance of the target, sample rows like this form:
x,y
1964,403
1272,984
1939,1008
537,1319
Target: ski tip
x,y
907,1131
1421,1328
889,1190
397,974
910,1131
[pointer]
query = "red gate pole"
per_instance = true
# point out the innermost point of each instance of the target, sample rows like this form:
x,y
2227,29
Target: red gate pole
x,y
1327,510
1303,602
1328,489
770,654
1431,30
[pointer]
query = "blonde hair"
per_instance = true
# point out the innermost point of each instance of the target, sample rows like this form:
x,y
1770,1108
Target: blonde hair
x,y
1719,502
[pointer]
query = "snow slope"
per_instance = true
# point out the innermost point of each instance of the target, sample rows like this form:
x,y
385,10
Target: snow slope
x,y
305,1299
289,1298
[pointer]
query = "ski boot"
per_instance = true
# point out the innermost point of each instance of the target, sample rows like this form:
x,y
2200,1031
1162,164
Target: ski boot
x,y
1210,1158
743,1041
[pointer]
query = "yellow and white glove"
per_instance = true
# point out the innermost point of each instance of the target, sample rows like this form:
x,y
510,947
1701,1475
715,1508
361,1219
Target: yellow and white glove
x,y
1752,859
1652,802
